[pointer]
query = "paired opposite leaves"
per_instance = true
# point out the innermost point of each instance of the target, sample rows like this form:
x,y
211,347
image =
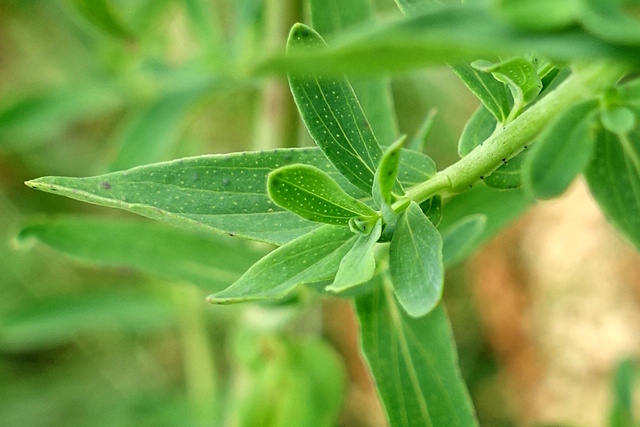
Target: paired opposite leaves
x,y
311,258
414,363
415,261
333,116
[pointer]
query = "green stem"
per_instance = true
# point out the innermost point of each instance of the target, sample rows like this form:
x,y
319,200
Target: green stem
x,y
585,83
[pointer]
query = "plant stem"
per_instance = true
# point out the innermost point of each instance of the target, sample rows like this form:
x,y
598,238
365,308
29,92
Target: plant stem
x,y
586,82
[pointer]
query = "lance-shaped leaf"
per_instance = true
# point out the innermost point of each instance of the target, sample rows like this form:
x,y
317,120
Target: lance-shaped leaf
x,y
613,176
415,261
460,239
334,117
312,194
479,127
311,258
561,152
414,363
224,193
520,76
359,264
492,93
209,261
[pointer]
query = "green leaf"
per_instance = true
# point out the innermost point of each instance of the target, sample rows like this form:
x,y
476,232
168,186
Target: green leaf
x,y
479,127
519,75
618,119
492,93
359,264
225,193
432,208
333,116
607,20
386,174
312,194
561,152
206,260
436,36
414,363
459,240
540,15
613,176
419,140
509,175
311,258
415,261
499,207
57,320
330,17
622,411
102,15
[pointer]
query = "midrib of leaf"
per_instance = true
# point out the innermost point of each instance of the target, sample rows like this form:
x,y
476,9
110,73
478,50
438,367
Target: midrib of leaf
x,y
406,354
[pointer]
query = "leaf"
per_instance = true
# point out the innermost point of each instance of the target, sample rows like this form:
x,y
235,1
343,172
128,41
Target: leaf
x,y
208,261
386,174
538,15
499,207
313,257
613,176
607,20
334,118
618,119
452,34
415,168
492,93
432,208
414,363
415,261
359,264
479,127
561,152
224,193
330,17
57,320
460,238
312,194
519,75
509,175
103,16
419,140
622,411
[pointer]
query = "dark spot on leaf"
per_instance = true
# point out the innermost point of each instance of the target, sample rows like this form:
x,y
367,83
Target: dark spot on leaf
x,y
106,185
481,177
231,234
389,173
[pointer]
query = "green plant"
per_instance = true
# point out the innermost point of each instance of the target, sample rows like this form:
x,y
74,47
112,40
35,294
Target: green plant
x,y
366,215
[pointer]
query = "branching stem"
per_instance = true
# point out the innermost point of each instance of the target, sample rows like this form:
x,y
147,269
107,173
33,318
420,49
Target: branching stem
x,y
586,82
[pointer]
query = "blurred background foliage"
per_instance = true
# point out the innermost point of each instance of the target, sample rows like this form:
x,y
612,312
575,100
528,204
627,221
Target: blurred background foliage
x,y
88,87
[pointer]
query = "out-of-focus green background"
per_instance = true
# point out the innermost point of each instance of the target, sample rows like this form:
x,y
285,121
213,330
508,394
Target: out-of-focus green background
x,y
83,94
